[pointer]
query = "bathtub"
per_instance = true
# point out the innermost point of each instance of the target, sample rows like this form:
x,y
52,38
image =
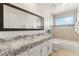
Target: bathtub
x,y
66,44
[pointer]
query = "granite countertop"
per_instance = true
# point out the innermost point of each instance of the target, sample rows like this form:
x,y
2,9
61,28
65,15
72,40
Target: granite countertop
x,y
15,47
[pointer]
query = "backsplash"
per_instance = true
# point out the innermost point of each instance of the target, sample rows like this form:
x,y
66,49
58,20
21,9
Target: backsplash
x,y
11,34
21,37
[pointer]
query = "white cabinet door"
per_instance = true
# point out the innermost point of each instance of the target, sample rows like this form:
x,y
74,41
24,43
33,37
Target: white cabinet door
x,y
50,47
35,51
44,48
23,54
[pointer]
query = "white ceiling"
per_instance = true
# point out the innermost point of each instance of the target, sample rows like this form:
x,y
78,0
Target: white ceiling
x,y
64,8
56,8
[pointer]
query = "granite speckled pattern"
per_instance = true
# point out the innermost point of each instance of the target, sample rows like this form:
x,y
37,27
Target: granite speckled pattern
x,y
15,47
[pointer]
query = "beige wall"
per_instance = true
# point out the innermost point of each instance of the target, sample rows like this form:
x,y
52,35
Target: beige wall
x,y
67,33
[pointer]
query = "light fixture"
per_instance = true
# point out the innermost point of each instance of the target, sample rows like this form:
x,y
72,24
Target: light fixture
x,y
55,5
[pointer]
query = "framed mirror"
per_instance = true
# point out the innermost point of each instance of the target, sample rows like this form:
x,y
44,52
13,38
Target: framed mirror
x,y
15,18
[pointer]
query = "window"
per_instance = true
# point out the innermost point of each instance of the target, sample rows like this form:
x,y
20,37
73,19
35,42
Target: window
x,y
65,21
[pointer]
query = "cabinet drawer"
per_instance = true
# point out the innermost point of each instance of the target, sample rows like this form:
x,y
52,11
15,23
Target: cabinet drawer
x,y
23,54
44,47
34,49
44,44
44,51
37,53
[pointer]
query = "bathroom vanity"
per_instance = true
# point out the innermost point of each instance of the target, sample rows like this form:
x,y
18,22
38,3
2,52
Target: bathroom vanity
x,y
14,18
23,46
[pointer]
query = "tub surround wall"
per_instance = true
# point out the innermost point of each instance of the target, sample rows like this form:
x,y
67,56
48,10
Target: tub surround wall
x,y
77,22
67,33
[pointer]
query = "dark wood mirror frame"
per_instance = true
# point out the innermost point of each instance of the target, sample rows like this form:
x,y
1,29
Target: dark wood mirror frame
x,y
15,29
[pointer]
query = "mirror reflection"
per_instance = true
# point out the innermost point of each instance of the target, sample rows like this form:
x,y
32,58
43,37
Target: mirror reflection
x,y
15,18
